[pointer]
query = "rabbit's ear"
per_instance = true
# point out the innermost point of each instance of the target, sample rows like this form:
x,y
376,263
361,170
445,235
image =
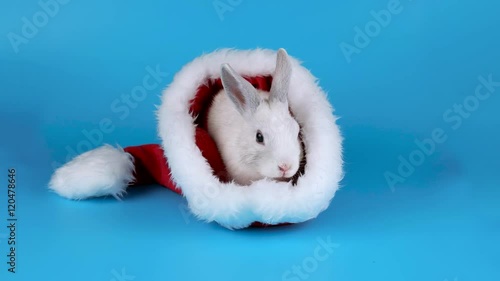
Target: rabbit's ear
x,y
281,77
240,91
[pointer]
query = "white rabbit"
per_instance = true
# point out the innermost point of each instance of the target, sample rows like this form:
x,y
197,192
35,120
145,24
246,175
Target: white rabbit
x,y
254,130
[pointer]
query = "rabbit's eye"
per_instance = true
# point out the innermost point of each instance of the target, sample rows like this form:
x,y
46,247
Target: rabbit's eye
x,y
259,137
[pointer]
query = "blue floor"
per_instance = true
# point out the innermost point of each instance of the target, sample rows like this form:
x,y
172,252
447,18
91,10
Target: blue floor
x,y
420,200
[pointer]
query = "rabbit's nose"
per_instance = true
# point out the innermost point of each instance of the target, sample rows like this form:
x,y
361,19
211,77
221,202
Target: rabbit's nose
x,y
284,167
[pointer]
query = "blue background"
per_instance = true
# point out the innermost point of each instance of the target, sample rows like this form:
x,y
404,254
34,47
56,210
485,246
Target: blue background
x,y
440,222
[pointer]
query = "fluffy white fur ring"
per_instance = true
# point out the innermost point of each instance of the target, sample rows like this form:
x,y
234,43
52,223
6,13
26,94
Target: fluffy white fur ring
x,y
262,137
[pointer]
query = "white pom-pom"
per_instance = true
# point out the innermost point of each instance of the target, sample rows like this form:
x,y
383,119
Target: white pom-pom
x,y
103,171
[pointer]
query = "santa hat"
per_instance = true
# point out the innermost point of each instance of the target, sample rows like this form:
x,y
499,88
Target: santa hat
x,y
187,160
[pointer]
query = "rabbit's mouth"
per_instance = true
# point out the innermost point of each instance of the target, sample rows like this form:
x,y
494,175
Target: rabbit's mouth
x,y
282,179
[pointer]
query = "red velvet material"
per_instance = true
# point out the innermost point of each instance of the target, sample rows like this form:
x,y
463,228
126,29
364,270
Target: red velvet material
x,y
151,166
150,163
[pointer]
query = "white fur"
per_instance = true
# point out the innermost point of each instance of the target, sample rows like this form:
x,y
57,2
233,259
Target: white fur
x,y
267,201
240,111
103,171
235,136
